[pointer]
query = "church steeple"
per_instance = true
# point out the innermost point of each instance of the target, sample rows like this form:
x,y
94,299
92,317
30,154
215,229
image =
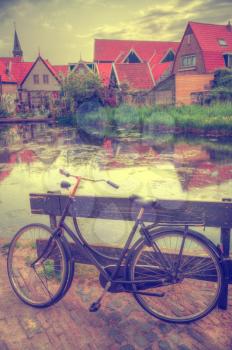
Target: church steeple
x,y
17,51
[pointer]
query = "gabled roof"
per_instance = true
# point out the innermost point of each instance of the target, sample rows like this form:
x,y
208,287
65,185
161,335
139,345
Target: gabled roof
x,y
207,36
104,71
82,64
137,75
107,50
47,64
18,71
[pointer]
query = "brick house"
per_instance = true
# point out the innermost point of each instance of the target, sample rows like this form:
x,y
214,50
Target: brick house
x,y
204,48
40,85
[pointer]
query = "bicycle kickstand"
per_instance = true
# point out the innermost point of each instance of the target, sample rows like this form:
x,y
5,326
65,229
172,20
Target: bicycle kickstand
x,y
95,306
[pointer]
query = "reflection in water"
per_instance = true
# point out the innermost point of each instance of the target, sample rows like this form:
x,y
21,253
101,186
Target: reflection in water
x,y
159,166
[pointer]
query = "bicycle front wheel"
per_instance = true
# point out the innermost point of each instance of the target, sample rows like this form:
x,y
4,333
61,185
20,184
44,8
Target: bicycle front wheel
x,y
40,285
189,283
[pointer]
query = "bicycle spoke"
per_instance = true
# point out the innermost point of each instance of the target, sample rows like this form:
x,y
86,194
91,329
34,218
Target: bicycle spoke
x,y
41,284
191,283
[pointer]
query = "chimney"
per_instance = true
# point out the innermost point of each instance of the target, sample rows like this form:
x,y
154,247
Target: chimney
x,y
229,27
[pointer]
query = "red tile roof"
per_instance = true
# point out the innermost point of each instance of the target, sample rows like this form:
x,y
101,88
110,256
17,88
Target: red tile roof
x,y
137,75
50,67
6,78
159,70
104,71
207,36
110,50
61,70
157,67
19,70
6,60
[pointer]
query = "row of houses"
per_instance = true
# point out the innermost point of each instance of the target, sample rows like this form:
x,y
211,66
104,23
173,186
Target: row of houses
x,y
145,71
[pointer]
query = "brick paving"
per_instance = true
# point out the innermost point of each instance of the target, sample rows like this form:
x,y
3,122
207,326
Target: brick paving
x,y
119,325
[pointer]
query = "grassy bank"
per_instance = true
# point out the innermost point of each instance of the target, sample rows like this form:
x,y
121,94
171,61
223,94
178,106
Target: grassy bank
x,y
214,119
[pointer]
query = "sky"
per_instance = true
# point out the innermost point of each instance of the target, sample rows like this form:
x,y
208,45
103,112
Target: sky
x,y
64,30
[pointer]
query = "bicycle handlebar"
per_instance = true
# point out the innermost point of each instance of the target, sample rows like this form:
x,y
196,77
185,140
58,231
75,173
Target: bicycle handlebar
x,y
112,184
67,174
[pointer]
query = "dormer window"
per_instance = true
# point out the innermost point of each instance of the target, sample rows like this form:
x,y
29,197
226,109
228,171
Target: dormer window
x,y
228,60
170,56
222,42
132,58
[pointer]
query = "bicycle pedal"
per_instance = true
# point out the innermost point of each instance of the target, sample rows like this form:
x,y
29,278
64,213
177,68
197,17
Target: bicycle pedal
x,y
95,306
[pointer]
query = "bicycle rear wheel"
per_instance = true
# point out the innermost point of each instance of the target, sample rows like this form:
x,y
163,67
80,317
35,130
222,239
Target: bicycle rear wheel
x,y
41,285
191,290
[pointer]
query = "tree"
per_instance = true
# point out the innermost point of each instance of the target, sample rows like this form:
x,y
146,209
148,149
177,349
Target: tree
x,y
222,85
79,87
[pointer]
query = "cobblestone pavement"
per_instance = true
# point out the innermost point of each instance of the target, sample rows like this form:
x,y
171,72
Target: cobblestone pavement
x,y
120,324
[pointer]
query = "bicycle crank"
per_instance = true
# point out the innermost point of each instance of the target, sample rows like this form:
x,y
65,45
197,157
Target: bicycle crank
x,y
95,306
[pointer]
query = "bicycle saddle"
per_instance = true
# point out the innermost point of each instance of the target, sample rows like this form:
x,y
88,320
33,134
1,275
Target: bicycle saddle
x,y
143,202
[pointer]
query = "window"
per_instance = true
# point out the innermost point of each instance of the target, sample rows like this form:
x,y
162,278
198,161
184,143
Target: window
x,y
169,57
90,65
45,79
222,42
132,58
36,78
188,61
228,60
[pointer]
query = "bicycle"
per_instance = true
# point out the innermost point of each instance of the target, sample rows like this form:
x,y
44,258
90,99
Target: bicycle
x,y
173,272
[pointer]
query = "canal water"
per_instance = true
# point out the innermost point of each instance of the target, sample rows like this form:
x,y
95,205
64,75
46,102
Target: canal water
x,y
150,165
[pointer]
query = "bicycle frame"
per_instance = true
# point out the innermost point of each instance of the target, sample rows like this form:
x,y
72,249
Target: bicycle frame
x,y
86,250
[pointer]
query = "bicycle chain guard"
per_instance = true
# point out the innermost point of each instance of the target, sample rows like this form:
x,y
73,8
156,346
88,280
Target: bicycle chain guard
x,y
115,287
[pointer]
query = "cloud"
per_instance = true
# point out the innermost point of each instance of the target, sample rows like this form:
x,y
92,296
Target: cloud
x,y
77,22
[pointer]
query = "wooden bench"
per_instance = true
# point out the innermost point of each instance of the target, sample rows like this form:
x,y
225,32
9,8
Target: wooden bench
x,y
212,214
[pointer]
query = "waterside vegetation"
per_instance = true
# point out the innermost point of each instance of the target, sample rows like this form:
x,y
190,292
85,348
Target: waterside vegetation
x,y
215,119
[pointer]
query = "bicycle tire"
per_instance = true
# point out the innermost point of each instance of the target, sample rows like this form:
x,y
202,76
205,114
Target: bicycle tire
x,y
71,270
44,284
190,295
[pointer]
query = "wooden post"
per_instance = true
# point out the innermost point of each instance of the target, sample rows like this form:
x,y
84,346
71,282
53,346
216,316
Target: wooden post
x,y
225,242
